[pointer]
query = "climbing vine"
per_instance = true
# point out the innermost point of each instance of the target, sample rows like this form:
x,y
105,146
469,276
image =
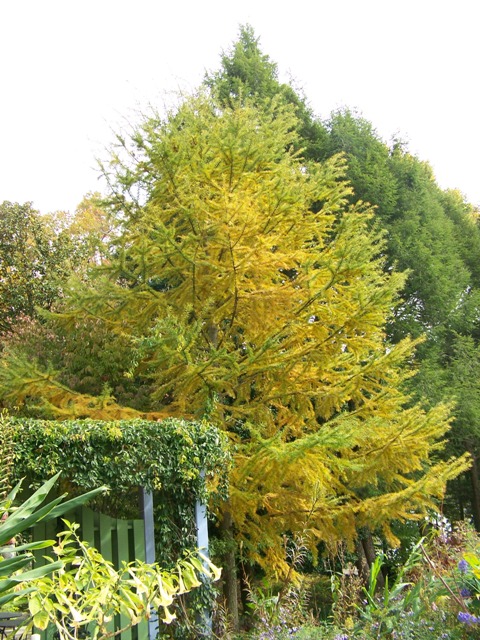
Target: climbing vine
x,y
168,455
179,461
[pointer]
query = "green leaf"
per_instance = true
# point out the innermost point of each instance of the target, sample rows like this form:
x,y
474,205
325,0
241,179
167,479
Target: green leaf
x,y
29,546
15,595
33,574
35,605
73,503
10,565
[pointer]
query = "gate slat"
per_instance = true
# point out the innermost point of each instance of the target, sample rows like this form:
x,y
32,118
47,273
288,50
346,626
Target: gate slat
x,y
39,533
139,547
87,522
123,556
117,541
106,525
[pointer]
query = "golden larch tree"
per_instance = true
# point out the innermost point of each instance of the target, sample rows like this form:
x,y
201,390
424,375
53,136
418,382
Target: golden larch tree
x,y
252,293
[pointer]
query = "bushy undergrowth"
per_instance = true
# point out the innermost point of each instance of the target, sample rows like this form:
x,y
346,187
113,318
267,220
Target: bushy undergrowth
x,y
435,594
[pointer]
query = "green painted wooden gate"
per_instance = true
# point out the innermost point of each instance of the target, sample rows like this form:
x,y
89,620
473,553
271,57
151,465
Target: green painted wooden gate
x,y
117,540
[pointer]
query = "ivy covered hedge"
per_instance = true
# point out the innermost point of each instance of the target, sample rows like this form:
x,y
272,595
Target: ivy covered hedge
x,y
166,455
180,461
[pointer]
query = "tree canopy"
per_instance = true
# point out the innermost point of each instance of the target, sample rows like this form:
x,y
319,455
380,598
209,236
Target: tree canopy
x,y
32,260
247,288
432,235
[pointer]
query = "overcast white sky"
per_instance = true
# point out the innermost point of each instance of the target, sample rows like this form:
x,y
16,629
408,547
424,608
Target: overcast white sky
x,y
72,70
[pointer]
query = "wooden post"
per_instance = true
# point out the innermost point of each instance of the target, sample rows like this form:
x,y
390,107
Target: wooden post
x,y
147,512
202,527
201,523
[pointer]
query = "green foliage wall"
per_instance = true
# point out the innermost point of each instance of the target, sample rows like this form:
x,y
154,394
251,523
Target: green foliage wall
x,y
166,457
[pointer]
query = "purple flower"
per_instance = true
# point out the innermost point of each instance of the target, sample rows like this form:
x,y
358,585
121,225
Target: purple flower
x,y
467,618
465,593
463,566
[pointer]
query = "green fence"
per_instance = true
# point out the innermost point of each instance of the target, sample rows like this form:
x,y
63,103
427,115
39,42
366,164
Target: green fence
x,y
117,540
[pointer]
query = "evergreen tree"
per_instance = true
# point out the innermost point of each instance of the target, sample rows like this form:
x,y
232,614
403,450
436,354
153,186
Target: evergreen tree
x,y
434,236
462,376
246,73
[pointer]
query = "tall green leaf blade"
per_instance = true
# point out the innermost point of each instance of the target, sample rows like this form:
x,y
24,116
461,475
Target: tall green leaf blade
x,y
10,565
73,503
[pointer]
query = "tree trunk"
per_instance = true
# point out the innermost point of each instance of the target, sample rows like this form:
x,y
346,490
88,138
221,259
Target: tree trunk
x,y
460,494
361,563
230,584
366,555
475,492
229,566
371,554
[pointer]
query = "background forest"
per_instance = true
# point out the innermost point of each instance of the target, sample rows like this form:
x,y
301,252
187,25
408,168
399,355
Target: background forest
x,y
307,288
